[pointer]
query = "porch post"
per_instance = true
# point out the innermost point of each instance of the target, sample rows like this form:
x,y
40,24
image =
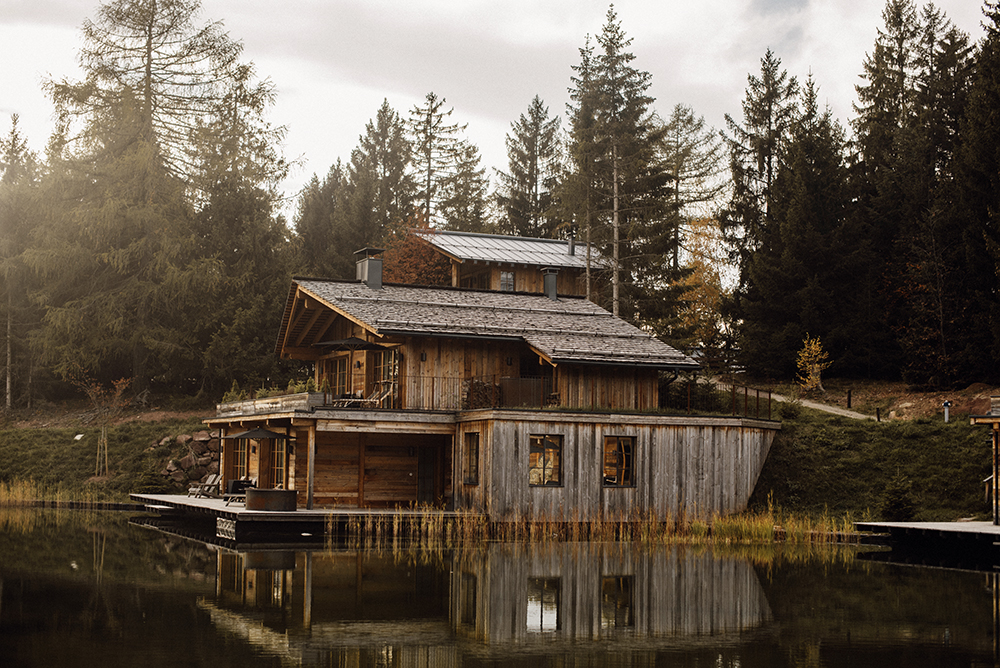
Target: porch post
x,y
312,466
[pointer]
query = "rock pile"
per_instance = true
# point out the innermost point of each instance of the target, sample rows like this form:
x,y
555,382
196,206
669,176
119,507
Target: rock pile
x,y
201,460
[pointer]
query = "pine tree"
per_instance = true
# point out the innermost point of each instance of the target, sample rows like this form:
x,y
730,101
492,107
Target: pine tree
x,y
978,178
800,278
693,157
525,195
19,203
437,148
381,190
756,150
178,76
325,239
579,193
464,193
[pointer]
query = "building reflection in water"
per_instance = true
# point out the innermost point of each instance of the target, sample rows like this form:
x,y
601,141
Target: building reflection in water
x,y
353,607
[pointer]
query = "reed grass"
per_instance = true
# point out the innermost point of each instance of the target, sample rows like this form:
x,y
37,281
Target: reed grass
x,y
428,527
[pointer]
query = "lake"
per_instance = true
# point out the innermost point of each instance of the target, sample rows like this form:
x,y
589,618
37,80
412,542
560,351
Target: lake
x,y
96,589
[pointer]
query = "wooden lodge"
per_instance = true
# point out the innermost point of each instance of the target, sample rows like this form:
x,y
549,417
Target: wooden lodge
x,y
513,264
513,404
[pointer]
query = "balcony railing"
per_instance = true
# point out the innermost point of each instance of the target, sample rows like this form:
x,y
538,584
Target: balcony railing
x,y
484,392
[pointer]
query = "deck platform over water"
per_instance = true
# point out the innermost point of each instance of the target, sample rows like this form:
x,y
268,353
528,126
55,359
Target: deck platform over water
x,y
955,544
234,521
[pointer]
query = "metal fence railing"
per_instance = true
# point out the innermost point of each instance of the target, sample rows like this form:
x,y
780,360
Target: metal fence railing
x,y
717,399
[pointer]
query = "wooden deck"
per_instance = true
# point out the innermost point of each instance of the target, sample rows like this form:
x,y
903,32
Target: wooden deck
x,y
965,545
234,522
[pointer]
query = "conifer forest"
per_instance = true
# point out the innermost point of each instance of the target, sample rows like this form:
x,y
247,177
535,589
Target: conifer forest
x,y
149,239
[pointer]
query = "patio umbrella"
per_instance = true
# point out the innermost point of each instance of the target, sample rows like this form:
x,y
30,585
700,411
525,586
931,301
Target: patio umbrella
x,y
352,343
258,433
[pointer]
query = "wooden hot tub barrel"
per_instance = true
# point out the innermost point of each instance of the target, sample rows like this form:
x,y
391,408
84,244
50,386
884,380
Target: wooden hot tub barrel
x,y
270,499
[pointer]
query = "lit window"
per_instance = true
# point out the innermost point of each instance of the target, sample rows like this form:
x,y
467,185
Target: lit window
x,y
470,459
506,281
545,460
618,461
278,459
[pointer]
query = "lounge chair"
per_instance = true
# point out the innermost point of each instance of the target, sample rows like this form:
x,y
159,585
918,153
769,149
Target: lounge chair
x,y
208,489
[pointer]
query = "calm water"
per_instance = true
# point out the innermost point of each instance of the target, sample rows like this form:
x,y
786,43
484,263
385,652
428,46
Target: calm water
x,y
82,589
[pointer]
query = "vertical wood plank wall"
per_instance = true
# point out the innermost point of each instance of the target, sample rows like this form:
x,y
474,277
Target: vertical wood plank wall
x,y
695,469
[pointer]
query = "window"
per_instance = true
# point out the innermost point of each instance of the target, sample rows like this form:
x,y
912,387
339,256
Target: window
x,y
386,376
338,384
616,602
619,461
470,459
278,463
240,459
543,605
545,460
506,281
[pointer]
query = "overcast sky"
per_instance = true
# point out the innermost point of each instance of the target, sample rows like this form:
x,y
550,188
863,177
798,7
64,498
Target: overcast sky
x,y
334,61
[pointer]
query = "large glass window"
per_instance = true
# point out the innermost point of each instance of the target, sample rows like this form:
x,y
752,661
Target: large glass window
x,y
545,460
619,461
240,458
278,460
386,377
470,459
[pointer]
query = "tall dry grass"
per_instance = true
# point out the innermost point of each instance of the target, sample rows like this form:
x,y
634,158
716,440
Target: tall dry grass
x,y
429,527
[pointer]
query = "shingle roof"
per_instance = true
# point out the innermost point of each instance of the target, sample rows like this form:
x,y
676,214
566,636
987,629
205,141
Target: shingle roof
x,y
569,330
467,246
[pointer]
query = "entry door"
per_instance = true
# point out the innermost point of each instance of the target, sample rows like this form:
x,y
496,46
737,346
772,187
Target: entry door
x,y
427,465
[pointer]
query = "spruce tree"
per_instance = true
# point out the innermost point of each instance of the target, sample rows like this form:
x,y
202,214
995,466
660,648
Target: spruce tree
x,y
525,194
437,147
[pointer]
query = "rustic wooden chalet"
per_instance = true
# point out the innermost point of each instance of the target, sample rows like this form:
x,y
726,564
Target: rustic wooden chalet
x,y
513,264
511,404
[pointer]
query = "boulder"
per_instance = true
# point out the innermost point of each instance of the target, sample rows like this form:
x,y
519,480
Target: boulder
x,y
178,476
166,440
204,460
184,439
213,467
187,462
197,473
202,436
199,447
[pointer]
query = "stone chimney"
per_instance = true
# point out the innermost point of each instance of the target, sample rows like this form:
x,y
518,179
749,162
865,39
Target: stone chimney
x,y
549,283
370,267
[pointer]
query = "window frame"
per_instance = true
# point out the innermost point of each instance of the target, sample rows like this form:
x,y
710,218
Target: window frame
x,y
507,281
544,448
470,458
622,467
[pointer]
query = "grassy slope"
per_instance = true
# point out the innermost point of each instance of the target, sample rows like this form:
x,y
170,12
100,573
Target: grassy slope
x,y
818,463
56,461
822,463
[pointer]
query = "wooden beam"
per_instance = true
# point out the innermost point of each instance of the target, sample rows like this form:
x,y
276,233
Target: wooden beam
x,y
305,330
311,479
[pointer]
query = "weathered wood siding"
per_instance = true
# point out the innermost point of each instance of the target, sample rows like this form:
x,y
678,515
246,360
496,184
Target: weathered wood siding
x,y
585,386
526,278
372,469
668,592
695,466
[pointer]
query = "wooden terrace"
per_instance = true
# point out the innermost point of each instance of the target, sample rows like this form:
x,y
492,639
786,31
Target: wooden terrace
x,y
233,521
